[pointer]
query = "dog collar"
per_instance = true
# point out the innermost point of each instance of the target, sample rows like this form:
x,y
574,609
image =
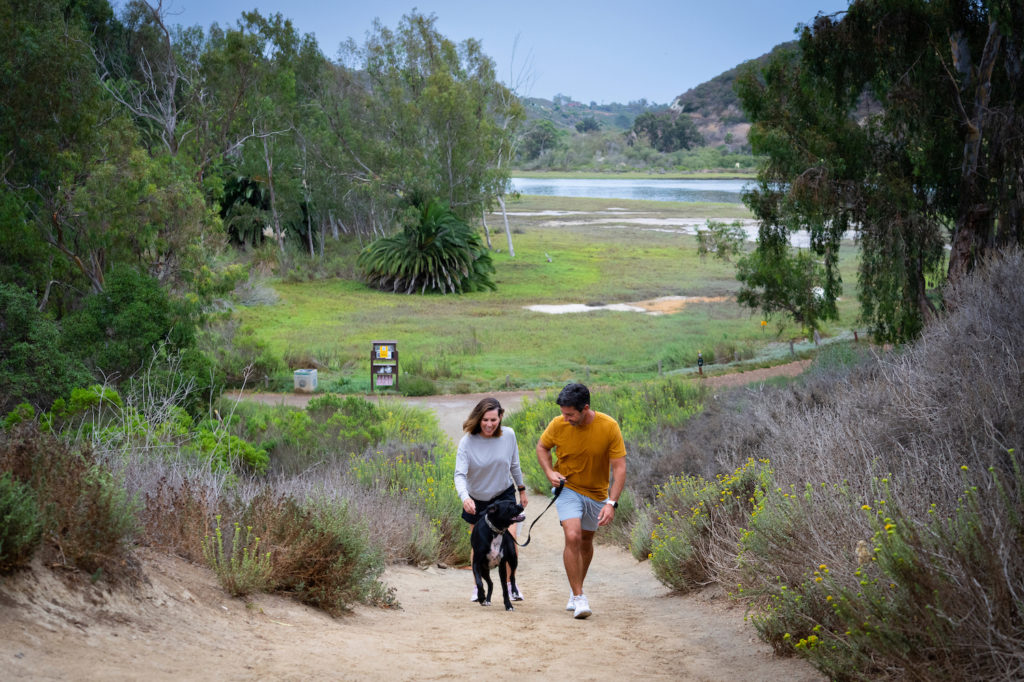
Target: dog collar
x,y
487,518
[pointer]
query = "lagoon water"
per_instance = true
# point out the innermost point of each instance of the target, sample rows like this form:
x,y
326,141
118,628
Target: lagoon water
x,y
726,191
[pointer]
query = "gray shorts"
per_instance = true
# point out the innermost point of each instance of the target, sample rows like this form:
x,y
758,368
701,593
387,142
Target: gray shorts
x,y
572,505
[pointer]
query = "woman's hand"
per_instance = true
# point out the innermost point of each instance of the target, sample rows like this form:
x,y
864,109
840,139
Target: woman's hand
x,y
522,498
469,505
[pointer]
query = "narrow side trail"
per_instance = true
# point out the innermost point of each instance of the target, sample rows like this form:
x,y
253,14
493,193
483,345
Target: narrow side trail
x,y
183,626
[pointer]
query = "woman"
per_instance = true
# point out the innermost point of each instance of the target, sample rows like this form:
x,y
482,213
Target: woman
x,y
487,465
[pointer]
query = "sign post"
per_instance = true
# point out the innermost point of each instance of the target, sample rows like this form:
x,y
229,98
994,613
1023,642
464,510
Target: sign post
x,y
700,364
383,365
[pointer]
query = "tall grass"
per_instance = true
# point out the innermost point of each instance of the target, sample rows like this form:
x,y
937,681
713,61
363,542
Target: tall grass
x,y
880,538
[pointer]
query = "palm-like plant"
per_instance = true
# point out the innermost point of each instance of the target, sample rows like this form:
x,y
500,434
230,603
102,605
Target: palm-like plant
x,y
440,252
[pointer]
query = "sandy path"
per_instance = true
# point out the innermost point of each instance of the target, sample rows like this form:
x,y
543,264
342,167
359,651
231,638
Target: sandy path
x,y
182,626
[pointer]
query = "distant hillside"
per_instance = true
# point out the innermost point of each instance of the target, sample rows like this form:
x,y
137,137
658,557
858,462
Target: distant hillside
x,y
715,107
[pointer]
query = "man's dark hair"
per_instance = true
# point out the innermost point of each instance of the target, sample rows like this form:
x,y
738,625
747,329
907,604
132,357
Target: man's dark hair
x,y
574,395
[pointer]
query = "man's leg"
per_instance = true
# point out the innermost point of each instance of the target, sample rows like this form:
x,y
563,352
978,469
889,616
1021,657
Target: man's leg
x,y
572,555
586,554
578,553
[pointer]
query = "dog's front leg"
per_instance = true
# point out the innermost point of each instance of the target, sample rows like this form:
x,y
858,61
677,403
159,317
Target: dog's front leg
x,y
503,576
482,576
513,564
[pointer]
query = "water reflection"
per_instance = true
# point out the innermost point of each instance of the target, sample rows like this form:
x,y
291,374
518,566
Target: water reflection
x,y
725,191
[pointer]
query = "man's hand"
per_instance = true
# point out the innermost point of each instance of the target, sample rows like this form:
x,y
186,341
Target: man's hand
x,y
556,479
606,515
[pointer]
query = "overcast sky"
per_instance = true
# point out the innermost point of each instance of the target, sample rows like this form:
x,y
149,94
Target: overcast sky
x,y
597,50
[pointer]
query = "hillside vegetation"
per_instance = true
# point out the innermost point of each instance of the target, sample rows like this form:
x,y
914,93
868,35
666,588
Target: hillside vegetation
x,y
713,107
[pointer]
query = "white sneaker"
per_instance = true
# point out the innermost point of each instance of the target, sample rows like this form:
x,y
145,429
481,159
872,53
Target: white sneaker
x,y
582,607
514,595
475,595
571,606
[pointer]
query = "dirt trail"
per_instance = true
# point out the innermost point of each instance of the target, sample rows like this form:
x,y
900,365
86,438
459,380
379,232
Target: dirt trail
x,y
183,626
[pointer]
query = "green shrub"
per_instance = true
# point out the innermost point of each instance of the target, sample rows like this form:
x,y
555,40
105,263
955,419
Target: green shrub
x,y
641,532
241,570
223,451
413,385
22,412
439,252
95,397
722,240
238,355
695,518
330,429
33,368
117,329
20,524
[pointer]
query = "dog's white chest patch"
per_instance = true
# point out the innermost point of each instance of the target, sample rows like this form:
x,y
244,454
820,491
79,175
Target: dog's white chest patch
x,y
494,555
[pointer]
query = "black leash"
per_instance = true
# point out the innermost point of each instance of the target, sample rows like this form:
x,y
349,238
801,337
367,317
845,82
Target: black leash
x,y
557,491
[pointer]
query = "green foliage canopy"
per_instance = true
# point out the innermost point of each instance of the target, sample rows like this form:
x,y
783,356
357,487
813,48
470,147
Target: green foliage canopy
x,y
118,329
667,131
434,120
900,120
540,137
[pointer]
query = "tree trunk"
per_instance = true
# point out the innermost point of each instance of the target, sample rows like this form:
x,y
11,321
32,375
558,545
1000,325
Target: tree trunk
x,y
974,222
508,230
487,231
273,197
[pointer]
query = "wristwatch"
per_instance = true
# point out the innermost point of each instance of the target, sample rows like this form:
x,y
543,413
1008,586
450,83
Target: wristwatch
x,y
613,503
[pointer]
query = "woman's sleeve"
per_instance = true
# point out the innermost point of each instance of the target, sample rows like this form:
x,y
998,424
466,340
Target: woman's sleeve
x,y
461,469
514,468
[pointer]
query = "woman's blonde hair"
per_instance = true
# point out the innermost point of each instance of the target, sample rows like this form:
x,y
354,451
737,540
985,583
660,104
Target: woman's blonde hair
x,y
472,424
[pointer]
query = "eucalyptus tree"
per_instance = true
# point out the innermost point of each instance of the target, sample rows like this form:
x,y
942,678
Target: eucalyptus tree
x,y
510,115
904,121
149,69
50,114
421,117
79,186
255,79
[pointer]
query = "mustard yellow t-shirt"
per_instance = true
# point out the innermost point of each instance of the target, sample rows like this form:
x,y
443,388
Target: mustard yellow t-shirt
x,y
583,453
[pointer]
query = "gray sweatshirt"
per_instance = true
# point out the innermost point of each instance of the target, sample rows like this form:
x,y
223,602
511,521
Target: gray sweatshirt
x,y
485,467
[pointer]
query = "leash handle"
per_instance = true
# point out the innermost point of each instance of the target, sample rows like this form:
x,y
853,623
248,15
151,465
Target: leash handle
x,y
556,491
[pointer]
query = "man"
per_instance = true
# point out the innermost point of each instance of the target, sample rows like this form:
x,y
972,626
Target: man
x,y
586,444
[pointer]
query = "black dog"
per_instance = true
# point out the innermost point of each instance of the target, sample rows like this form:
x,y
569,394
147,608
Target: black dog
x,y
494,545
